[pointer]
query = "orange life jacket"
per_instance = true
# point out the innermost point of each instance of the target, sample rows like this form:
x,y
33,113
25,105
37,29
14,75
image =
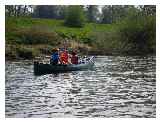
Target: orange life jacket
x,y
64,57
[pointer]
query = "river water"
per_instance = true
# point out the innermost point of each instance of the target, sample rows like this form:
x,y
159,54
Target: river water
x,y
116,87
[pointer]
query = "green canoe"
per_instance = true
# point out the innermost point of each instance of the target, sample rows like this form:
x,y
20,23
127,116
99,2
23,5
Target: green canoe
x,y
40,68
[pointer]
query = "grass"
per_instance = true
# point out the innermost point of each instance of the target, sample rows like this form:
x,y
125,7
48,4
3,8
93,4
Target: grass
x,y
57,26
30,37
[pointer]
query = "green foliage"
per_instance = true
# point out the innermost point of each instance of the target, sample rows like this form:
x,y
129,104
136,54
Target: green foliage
x,y
32,35
16,25
18,30
10,51
37,35
44,49
133,35
105,42
113,13
138,34
20,51
92,13
49,11
75,16
26,53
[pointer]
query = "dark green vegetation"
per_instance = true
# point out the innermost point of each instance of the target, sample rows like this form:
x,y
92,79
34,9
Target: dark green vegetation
x,y
75,16
117,30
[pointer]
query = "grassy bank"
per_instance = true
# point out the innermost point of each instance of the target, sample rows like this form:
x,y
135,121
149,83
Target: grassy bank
x,y
30,37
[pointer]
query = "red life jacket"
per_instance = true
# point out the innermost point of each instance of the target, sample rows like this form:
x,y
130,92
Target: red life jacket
x,y
64,57
74,59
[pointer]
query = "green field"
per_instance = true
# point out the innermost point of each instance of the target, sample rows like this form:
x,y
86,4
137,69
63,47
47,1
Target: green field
x,y
31,37
57,26
35,35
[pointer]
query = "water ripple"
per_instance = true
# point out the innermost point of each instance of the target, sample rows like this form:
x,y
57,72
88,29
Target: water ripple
x,y
117,87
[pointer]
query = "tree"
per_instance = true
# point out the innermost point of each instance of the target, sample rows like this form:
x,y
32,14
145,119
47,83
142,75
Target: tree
x,y
61,11
9,9
50,11
106,16
18,10
148,9
75,16
92,13
45,11
114,13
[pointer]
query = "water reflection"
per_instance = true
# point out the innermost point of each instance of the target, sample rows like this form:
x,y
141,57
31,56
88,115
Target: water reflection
x,y
117,87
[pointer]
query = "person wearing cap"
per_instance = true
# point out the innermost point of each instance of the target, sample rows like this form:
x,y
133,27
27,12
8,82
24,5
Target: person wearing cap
x,y
54,57
74,58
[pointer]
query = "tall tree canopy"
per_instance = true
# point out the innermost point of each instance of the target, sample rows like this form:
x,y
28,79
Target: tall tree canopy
x,y
106,16
92,13
45,11
18,10
148,9
75,16
113,13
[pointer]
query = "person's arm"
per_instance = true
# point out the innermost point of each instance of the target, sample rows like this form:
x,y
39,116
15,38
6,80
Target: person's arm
x,y
69,55
61,62
69,61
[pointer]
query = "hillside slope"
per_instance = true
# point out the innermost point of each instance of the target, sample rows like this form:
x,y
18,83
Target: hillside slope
x,y
31,37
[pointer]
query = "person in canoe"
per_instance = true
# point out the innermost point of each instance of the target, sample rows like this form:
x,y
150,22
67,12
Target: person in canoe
x,y
54,57
64,56
74,58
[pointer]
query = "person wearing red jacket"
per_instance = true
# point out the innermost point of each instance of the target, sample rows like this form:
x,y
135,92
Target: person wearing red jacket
x,y
74,58
64,57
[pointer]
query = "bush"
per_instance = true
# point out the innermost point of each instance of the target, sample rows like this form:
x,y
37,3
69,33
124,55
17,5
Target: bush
x,y
45,49
105,42
138,34
26,53
37,35
10,52
75,17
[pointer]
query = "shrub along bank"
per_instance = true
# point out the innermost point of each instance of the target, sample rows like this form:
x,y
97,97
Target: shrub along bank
x,y
30,37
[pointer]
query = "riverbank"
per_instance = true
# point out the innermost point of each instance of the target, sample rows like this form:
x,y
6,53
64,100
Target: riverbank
x,y
27,38
31,52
